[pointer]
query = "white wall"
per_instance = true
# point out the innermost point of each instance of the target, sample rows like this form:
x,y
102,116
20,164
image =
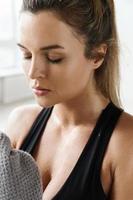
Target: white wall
x,y
13,87
124,14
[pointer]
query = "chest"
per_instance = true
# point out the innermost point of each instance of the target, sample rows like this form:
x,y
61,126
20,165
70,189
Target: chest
x,y
57,157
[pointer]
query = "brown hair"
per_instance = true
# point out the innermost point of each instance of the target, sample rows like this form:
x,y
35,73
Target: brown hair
x,y
95,21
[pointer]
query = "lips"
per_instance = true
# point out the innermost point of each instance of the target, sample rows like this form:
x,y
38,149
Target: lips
x,y
41,91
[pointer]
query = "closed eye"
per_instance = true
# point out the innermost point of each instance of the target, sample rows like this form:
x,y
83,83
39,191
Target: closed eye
x,y
27,57
55,61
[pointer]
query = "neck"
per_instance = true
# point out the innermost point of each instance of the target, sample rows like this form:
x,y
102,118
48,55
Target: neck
x,y
83,110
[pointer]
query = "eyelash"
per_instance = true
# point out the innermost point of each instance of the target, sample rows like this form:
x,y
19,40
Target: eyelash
x,y
59,60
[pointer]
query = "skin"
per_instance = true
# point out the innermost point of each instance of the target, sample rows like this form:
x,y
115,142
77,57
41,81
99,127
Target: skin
x,y
77,106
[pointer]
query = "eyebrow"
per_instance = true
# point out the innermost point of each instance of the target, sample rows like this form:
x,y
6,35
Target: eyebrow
x,y
50,47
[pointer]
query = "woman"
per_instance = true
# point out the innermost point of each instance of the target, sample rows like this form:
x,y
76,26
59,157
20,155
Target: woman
x,y
78,134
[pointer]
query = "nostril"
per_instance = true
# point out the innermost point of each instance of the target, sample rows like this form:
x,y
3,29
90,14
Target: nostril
x,y
37,74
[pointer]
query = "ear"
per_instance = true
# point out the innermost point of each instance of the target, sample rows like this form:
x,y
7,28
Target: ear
x,y
99,55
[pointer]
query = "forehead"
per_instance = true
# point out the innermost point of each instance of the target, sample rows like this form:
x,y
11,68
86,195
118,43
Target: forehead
x,y
44,27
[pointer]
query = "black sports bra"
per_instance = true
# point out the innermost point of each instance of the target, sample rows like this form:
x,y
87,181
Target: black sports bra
x,y
84,181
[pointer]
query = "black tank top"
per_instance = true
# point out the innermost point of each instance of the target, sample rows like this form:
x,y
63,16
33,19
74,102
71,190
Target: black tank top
x,y
84,181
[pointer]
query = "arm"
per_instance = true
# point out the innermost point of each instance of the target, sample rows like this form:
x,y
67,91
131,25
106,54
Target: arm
x,y
122,188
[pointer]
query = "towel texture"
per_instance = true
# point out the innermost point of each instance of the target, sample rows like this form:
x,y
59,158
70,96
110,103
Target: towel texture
x,y
19,174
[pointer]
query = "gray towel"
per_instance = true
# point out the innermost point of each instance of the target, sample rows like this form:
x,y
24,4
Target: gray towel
x,y
19,174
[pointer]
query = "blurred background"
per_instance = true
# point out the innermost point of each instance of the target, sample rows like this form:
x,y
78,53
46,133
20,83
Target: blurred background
x,y
13,87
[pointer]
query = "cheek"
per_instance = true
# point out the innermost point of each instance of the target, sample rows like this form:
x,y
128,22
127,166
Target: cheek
x,y
79,74
79,79
72,81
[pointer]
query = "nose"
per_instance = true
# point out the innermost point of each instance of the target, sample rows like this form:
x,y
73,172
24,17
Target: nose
x,y
37,69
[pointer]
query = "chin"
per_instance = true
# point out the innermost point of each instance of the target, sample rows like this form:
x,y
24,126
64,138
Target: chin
x,y
45,103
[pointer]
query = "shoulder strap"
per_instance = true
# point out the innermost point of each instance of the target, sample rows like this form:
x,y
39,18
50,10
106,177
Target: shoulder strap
x,y
107,130
110,119
36,130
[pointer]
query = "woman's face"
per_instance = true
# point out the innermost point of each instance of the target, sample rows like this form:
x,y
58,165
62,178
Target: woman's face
x,y
53,59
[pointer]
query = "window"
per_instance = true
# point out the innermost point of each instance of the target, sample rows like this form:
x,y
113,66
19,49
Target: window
x,y
8,32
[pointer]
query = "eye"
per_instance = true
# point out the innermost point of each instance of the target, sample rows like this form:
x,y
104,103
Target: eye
x,y
55,61
27,57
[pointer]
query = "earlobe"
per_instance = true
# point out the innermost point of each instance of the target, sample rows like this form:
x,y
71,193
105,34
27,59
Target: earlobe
x,y
100,54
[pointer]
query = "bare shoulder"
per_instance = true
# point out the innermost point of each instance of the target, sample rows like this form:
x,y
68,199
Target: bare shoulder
x,y
124,129
20,121
126,121
123,135
121,146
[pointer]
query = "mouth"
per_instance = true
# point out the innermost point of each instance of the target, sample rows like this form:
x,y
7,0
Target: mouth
x,y
41,91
